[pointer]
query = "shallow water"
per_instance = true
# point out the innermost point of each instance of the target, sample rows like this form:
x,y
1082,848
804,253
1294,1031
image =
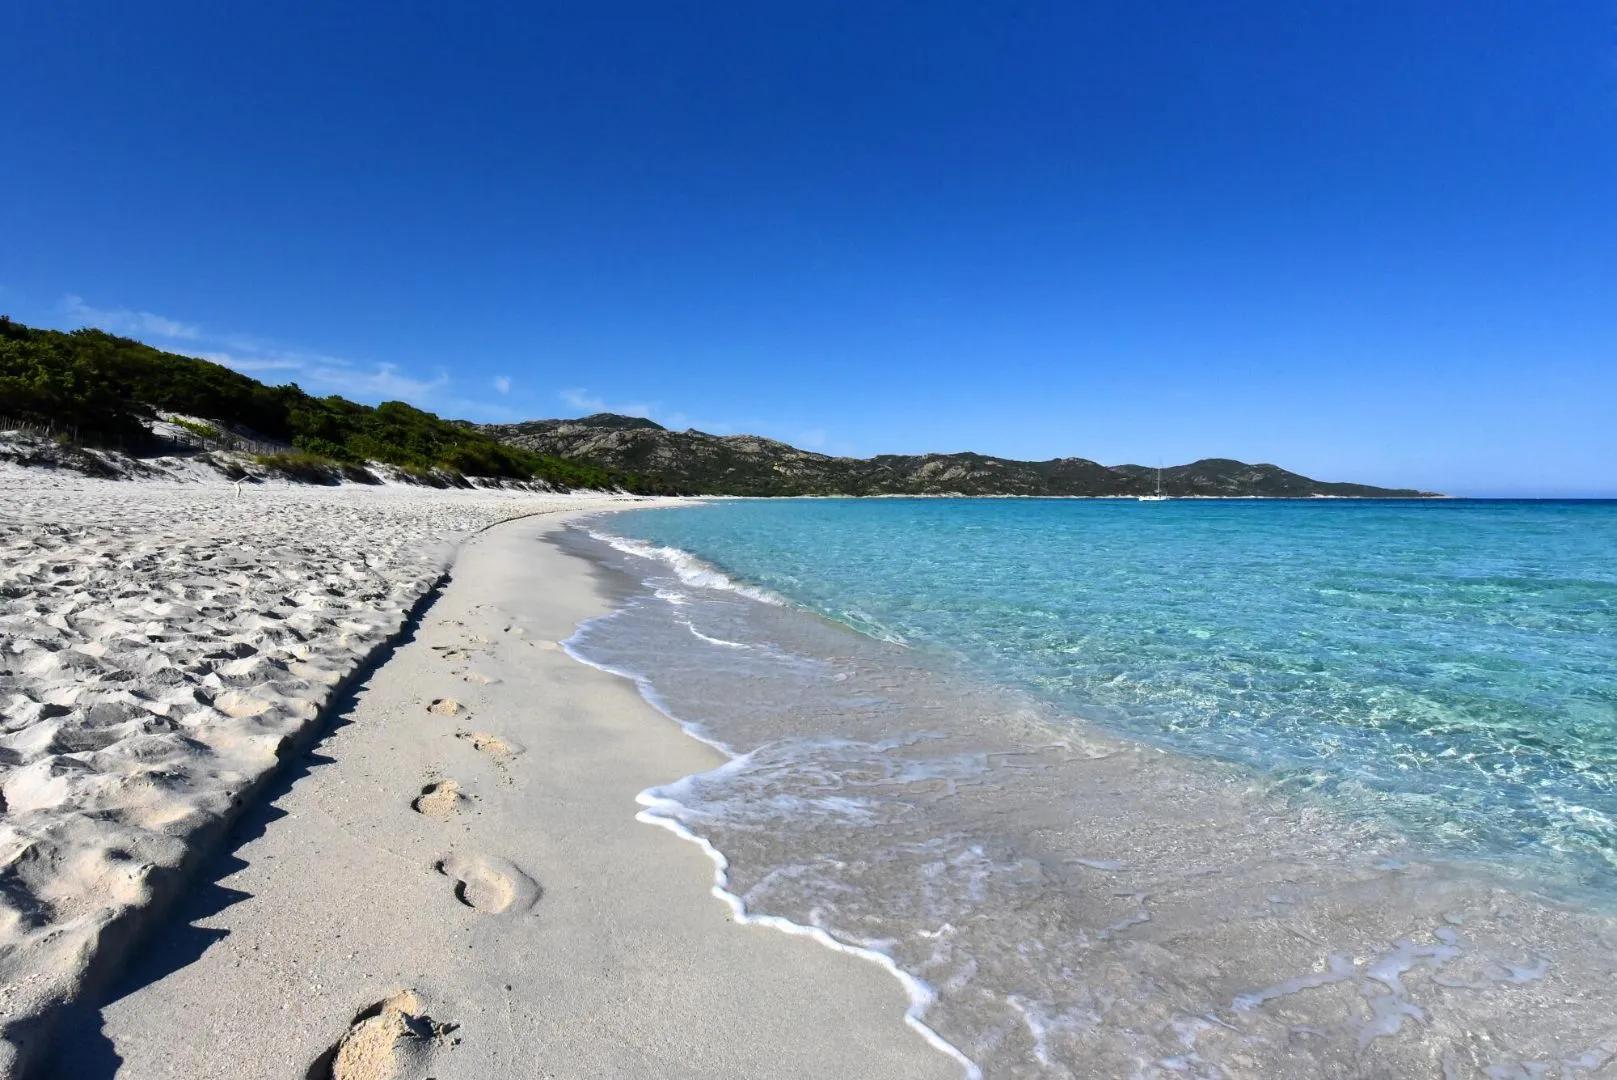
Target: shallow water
x,y
1322,732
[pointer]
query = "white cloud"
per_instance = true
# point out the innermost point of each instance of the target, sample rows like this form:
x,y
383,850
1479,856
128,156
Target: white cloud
x,y
314,371
585,402
381,381
334,375
127,321
323,373
252,365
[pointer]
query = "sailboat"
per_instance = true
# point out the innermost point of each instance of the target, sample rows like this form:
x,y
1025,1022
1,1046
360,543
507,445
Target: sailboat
x,y
1159,496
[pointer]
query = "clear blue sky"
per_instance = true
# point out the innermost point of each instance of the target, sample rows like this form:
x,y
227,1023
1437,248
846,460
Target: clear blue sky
x,y
1365,240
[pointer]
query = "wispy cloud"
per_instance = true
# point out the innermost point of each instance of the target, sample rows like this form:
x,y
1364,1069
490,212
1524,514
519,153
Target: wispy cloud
x,y
324,373
316,371
586,402
128,321
334,374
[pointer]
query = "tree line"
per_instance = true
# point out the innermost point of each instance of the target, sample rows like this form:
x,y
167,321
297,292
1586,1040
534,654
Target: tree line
x,y
107,389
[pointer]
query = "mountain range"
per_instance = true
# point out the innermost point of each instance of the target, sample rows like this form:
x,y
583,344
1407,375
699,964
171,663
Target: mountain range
x,y
697,462
89,388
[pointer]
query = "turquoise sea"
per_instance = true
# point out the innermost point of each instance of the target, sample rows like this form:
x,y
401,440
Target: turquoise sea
x,y
1452,664
1072,766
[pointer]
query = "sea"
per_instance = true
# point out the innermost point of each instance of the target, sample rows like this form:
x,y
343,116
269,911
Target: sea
x,y
1188,788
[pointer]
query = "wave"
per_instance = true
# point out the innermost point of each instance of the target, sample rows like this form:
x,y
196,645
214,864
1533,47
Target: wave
x,y
1028,879
687,567
661,809
710,639
694,572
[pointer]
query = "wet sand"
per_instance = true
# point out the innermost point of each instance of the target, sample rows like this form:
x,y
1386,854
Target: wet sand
x,y
453,884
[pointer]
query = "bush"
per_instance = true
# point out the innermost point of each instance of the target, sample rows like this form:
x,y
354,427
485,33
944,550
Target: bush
x,y
309,468
107,388
200,430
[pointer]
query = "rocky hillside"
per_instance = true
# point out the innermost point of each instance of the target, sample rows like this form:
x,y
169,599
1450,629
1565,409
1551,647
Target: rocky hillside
x,y
696,462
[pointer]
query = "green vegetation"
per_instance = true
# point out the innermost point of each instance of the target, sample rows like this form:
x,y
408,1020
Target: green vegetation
x,y
696,462
312,468
105,388
202,431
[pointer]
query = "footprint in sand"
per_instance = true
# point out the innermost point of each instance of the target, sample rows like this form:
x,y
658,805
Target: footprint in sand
x,y
479,678
439,800
444,706
493,886
501,750
391,1040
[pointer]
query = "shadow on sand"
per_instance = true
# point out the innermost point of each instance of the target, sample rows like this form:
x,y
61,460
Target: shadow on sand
x,y
82,1050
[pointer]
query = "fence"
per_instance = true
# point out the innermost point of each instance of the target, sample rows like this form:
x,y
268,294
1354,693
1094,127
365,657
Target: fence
x,y
220,440
169,442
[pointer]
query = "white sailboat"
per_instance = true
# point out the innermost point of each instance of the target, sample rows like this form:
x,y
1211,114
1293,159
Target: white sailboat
x,y
1159,496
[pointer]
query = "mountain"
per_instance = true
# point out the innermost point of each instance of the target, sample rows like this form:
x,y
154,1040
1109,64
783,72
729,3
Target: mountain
x,y
90,388
696,462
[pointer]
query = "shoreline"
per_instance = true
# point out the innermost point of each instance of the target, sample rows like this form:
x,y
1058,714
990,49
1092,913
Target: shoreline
x,y
530,814
694,569
920,995
461,844
1385,948
163,649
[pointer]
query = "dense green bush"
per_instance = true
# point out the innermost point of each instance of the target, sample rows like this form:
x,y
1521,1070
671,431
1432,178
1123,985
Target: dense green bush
x,y
309,468
103,388
202,431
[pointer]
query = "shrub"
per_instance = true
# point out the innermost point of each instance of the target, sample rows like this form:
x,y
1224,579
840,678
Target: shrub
x,y
196,427
106,388
309,468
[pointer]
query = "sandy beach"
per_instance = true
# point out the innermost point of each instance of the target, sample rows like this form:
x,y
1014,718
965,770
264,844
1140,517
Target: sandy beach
x,y
449,883
339,782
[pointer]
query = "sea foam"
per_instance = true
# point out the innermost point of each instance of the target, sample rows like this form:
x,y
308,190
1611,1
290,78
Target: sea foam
x,y
1054,898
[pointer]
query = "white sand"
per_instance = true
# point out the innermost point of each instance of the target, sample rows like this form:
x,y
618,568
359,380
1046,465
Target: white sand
x,y
454,886
162,647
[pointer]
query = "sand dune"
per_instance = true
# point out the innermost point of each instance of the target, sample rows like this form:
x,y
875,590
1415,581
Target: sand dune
x,y
162,647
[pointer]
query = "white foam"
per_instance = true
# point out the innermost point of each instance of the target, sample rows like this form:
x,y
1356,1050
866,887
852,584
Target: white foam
x,y
1339,969
1041,1024
711,640
921,995
687,567
642,684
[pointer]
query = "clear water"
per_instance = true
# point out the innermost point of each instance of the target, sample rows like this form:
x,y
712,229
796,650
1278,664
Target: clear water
x,y
1451,664
1188,788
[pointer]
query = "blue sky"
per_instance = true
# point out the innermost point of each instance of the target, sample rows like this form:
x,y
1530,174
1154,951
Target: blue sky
x,y
1368,241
